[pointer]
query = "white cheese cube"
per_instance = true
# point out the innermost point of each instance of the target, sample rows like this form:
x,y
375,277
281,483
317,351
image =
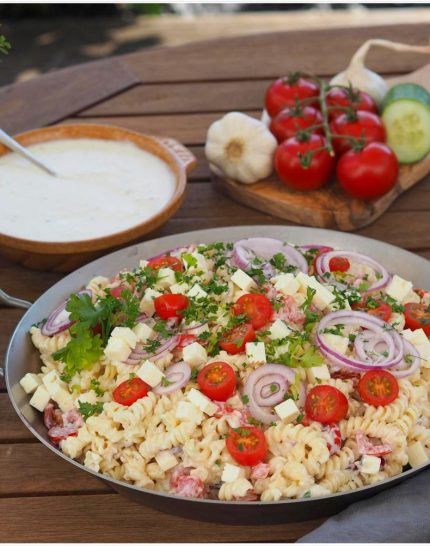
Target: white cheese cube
x,y
166,460
92,460
64,399
179,288
40,398
166,277
411,297
150,373
117,349
398,288
287,410
143,332
317,490
421,342
322,297
255,352
197,292
231,473
239,293
196,328
397,321
30,382
370,464
52,382
279,330
189,412
282,349
126,334
147,302
194,354
143,263
197,262
335,306
417,454
201,401
243,280
90,397
337,343
286,284
318,373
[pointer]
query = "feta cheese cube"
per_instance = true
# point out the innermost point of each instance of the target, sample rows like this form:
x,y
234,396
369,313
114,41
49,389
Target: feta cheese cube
x,y
286,283
90,397
126,334
282,349
197,263
92,460
166,277
411,297
318,373
197,292
243,280
196,328
417,454
117,349
255,352
239,293
52,382
150,373
201,401
143,332
397,321
147,302
337,343
322,297
231,473
279,330
179,288
370,464
317,490
194,354
398,288
40,398
287,410
30,382
421,342
336,306
189,412
64,399
166,460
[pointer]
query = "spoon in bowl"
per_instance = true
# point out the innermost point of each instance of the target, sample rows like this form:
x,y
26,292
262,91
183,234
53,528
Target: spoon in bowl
x,y
13,145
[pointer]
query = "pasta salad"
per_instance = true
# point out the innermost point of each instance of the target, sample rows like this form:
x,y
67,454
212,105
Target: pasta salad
x,y
253,370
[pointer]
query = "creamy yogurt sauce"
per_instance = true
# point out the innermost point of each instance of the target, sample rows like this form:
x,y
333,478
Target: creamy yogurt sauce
x,y
103,187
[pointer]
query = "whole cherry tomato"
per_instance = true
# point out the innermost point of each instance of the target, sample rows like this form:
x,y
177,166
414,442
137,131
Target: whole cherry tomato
x,y
288,122
349,98
285,92
368,173
360,124
304,165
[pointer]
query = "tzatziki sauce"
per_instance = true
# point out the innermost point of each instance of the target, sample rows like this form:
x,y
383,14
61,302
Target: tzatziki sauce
x,y
103,187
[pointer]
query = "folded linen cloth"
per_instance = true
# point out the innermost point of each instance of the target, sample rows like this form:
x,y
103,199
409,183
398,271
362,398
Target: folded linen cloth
x,y
400,514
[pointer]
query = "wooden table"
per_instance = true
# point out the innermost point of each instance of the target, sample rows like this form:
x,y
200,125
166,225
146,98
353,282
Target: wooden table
x,y
177,92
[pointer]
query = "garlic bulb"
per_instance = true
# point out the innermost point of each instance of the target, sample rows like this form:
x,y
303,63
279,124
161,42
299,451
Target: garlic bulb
x,y
366,80
240,147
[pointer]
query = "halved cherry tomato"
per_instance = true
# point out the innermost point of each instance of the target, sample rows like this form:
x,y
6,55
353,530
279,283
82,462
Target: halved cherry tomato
x,y
315,252
379,309
256,307
58,433
247,445
326,404
171,305
284,92
217,380
339,264
417,315
186,339
235,340
127,392
166,261
378,388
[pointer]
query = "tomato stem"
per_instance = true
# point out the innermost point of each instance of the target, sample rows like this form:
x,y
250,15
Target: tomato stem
x,y
324,111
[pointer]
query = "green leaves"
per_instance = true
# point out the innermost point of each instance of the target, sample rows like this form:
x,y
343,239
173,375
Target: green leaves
x,y
87,409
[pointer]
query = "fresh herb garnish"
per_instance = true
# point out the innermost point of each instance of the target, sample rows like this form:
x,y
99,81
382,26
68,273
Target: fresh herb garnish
x,y
87,409
95,386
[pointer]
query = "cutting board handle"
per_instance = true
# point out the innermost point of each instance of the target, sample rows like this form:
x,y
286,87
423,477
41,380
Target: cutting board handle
x,y
184,155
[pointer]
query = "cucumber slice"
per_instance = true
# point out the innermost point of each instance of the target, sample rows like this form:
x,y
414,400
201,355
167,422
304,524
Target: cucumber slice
x,y
406,115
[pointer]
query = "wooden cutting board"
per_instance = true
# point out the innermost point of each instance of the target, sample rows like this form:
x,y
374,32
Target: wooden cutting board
x,y
329,207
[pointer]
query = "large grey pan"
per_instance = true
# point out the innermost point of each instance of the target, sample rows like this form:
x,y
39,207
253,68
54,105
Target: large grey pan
x,y
21,357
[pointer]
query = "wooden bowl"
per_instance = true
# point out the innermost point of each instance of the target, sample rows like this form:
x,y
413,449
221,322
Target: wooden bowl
x,y
67,256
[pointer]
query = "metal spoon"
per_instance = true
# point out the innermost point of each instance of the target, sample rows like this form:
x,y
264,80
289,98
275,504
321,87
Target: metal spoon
x,y
13,145
10,301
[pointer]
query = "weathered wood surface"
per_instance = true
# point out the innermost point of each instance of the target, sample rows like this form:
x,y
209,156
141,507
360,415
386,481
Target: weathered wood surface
x,y
181,91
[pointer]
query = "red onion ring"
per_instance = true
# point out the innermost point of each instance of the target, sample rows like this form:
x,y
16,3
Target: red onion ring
x,y
190,329
59,319
178,375
138,353
263,393
405,369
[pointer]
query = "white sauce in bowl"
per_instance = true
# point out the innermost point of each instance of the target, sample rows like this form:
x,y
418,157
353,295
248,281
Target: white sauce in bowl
x,y
103,187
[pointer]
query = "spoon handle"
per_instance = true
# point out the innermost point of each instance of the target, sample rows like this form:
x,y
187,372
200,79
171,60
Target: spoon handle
x,y
10,301
13,145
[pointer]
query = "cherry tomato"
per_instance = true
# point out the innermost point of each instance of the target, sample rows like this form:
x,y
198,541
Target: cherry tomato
x,y
288,122
378,388
290,163
339,264
377,308
284,93
235,340
166,261
170,305
326,404
257,308
417,315
349,98
127,392
217,380
247,445
364,125
369,173
186,339
314,252
116,292
58,433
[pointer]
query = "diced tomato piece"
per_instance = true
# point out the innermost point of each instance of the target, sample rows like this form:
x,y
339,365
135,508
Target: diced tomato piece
x,y
378,308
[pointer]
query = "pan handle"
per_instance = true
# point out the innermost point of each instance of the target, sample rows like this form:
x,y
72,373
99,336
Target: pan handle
x,y
184,155
10,301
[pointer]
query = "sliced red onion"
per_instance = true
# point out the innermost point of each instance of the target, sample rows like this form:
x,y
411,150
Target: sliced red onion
x,y
191,329
177,375
269,390
404,369
143,317
310,247
264,248
59,319
322,267
139,353
256,385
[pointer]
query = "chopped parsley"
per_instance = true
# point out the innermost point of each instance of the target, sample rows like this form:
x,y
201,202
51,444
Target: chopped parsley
x,y
87,409
279,261
95,386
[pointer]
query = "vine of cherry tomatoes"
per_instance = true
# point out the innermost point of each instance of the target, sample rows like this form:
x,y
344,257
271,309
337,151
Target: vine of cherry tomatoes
x,y
324,131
